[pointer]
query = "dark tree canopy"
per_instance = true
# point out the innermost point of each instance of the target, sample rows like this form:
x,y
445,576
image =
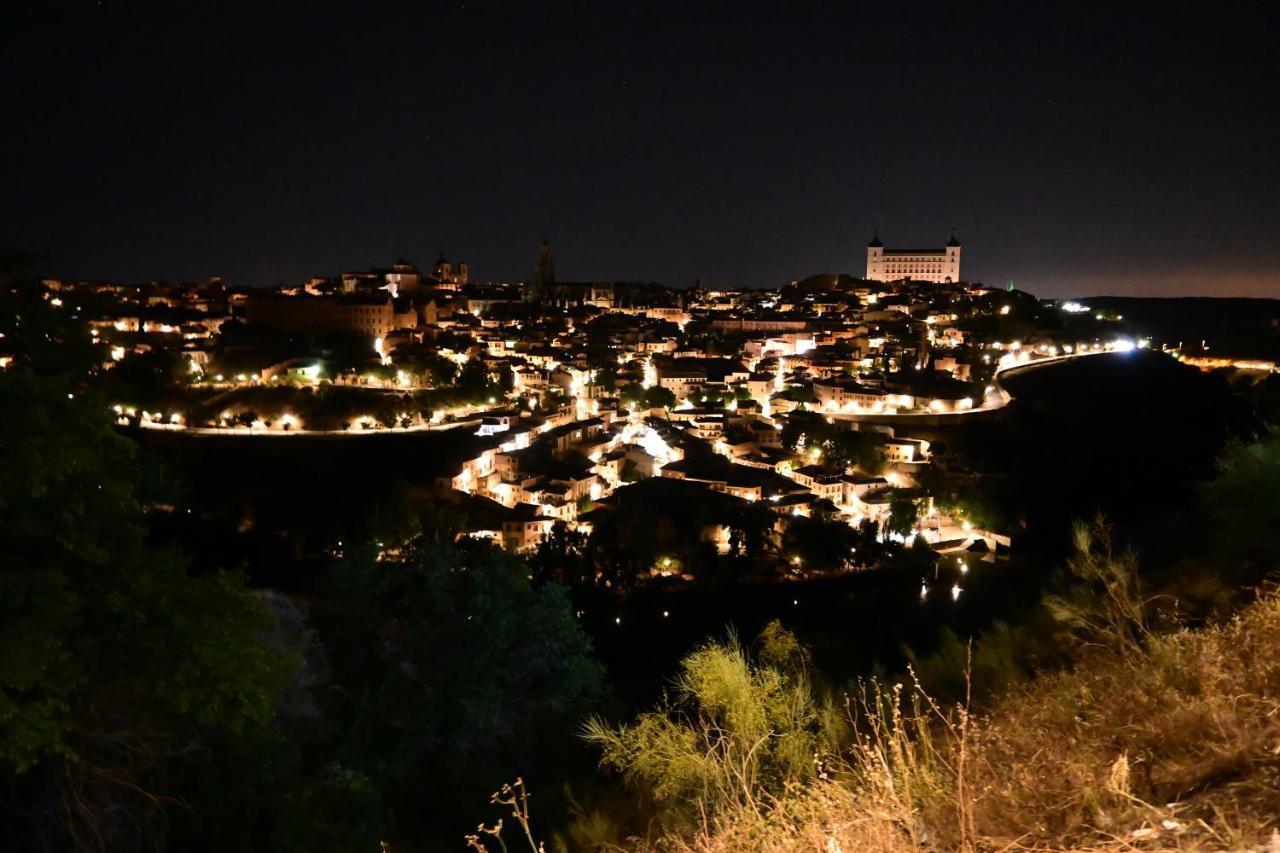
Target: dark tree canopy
x,y
115,663
448,671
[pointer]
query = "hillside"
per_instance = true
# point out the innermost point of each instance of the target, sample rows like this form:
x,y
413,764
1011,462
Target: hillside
x,y
1151,742
1177,747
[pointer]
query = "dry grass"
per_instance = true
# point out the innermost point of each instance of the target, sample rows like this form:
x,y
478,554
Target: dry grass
x,y
1170,745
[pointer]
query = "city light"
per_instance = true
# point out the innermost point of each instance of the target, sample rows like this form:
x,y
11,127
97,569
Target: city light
x,y
650,377
555,387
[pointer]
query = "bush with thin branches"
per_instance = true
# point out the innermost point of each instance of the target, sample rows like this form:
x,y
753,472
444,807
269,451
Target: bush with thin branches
x,y
733,735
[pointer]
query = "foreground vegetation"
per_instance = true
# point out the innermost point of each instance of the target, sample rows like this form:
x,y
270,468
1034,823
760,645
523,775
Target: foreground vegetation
x,y
1149,740
1172,746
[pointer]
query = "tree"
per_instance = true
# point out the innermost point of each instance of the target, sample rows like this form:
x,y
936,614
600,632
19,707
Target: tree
x,y
820,543
713,398
386,410
808,429
450,673
39,336
116,665
654,397
963,496
632,394
561,558
750,529
381,372
1242,506
658,397
473,379
903,512
862,450
438,369
840,448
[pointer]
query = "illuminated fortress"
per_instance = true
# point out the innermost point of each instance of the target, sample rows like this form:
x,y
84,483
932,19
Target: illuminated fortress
x,y
935,265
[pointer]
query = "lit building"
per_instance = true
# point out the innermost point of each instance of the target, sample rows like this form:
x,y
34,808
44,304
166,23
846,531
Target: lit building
x,y
935,265
848,395
448,275
403,278
372,316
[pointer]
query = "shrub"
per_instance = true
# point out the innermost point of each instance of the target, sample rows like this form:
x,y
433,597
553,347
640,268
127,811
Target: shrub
x,y
733,737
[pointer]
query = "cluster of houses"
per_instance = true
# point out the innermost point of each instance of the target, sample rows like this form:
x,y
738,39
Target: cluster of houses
x,y
611,383
545,470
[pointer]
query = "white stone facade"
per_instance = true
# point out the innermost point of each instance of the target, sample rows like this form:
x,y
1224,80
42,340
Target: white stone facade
x,y
934,265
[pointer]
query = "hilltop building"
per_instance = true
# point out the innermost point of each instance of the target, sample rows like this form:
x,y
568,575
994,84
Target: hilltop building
x,y
403,278
447,275
934,265
372,315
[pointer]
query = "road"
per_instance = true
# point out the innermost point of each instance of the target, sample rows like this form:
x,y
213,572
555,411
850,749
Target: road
x,y
257,431
997,399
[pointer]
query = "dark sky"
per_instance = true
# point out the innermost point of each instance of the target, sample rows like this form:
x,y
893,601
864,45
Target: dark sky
x,y
1077,151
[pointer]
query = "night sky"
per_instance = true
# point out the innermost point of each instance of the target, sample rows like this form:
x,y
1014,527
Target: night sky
x,y
1076,153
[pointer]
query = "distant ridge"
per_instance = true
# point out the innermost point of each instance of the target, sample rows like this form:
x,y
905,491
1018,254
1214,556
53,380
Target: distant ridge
x,y
1235,326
